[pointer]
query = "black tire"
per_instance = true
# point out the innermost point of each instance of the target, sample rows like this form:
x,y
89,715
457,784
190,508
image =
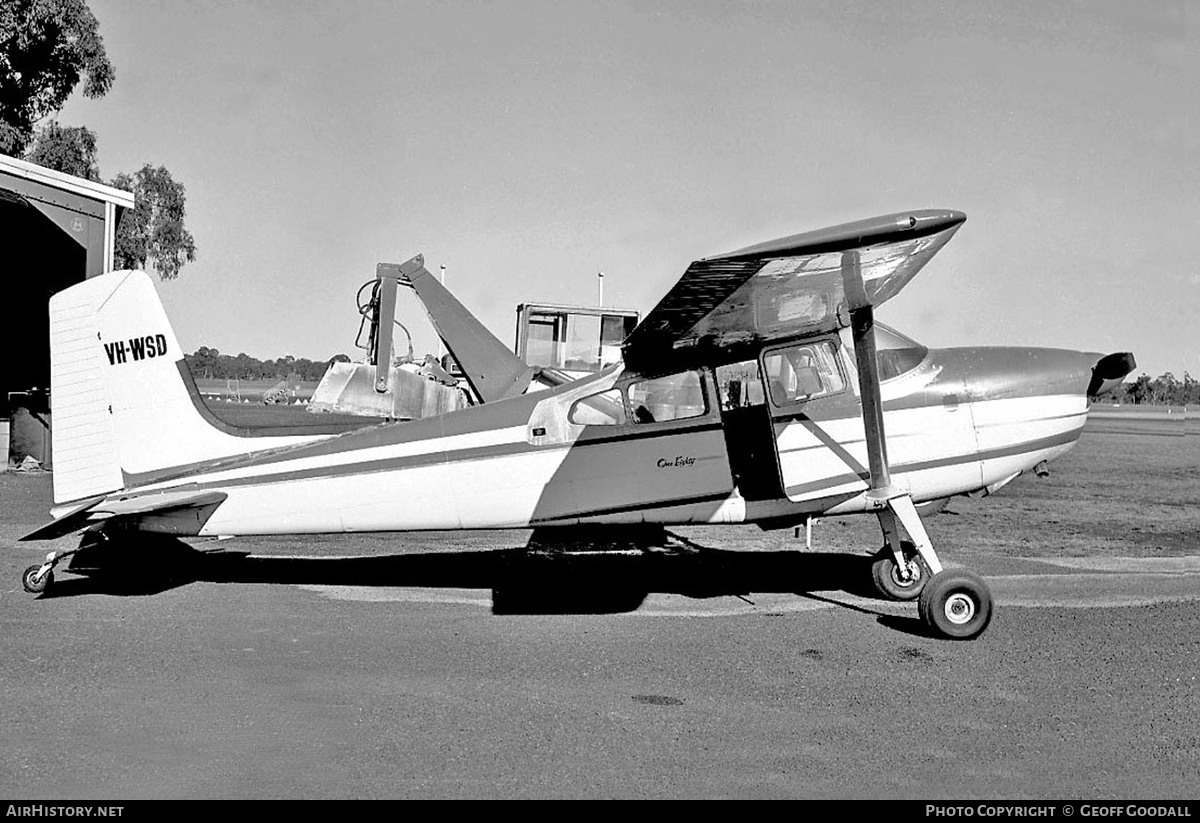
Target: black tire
x,y
956,605
32,583
885,573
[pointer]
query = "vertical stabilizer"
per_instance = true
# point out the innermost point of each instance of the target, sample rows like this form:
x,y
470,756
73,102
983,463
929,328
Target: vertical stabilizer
x,y
122,406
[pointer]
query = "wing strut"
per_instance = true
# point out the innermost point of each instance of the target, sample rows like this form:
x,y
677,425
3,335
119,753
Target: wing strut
x,y
894,507
862,325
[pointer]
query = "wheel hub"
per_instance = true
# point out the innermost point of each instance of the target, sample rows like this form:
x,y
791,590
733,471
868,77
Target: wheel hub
x,y
959,608
914,574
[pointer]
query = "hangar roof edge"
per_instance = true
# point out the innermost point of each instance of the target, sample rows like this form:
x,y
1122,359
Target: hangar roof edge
x,y
66,182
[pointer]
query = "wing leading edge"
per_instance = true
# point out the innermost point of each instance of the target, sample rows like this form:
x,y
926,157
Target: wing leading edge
x,y
804,283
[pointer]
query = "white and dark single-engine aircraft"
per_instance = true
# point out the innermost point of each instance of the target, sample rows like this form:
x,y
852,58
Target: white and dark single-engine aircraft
x,y
759,390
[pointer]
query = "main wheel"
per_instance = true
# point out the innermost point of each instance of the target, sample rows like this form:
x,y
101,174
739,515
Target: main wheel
x,y
34,584
956,604
886,573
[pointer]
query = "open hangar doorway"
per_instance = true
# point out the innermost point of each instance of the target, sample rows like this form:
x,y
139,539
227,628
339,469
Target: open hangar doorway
x,y
58,230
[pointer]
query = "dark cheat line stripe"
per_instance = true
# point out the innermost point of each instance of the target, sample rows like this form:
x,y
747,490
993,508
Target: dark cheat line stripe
x,y
418,460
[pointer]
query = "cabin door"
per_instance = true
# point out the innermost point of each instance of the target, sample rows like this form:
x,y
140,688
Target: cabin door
x,y
787,416
749,433
816,420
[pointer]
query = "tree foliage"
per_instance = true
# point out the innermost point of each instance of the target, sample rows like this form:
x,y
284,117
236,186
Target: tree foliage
x,y
69,149
46,48
209,363
1164,390
154,230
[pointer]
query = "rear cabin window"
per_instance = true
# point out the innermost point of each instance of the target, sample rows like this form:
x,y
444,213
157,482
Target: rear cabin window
x,y
674,397
658,400
803,372
603,409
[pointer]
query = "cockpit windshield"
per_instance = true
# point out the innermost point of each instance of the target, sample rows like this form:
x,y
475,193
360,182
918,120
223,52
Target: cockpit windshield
x,y
896,353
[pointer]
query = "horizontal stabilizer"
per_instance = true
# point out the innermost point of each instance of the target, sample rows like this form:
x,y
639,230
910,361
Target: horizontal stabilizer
x,y
101,508
72,520
157,503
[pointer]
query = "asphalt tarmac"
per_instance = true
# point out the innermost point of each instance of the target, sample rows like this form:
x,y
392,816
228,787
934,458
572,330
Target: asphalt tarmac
x,y
241,669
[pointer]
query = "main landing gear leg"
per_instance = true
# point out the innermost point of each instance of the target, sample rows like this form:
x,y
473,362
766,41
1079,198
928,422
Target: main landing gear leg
x,y
954,604
901,569
902,509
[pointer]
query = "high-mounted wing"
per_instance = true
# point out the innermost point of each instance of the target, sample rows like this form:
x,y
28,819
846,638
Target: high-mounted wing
x,y
804,283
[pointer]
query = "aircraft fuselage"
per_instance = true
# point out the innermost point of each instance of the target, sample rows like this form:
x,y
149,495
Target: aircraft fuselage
x,y
958,421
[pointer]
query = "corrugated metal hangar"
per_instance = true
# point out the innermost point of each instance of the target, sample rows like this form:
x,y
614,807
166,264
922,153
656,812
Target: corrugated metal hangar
x,y
58,230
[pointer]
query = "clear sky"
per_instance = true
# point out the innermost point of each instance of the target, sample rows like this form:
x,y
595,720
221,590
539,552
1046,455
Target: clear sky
x,y
528,145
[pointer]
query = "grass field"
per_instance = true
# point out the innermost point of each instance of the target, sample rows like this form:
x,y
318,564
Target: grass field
x,y
1154,420
1114,494
250,391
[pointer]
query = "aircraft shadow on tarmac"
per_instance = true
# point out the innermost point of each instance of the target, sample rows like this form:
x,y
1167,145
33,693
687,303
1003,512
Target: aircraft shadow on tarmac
x,y
538,578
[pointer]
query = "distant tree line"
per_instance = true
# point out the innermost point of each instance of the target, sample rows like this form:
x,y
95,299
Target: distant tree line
x,y
1164,390
209,363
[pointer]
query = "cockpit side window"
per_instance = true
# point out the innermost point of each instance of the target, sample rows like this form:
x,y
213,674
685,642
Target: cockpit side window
x,y
896,353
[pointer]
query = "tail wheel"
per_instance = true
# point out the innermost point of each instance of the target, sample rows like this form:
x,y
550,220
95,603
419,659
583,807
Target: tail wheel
x,y
956,604
34,584
886,573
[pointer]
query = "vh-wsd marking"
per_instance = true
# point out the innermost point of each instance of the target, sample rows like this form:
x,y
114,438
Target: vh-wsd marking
x,y
136,348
